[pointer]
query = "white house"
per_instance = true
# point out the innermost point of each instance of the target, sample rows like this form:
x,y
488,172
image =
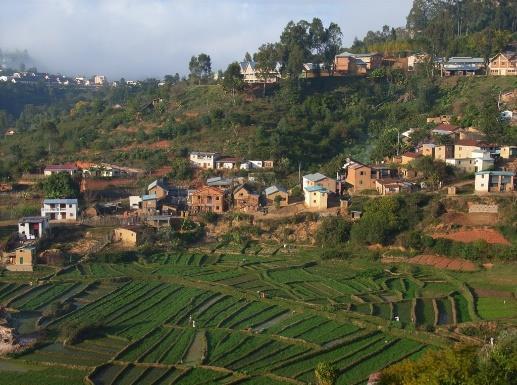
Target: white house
x,y
483,158
204,160
99,80
60,209
135,201
69,168
227,163
31,228
494,181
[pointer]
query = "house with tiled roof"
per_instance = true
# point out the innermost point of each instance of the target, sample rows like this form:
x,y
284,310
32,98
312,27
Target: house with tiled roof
x,y
445,129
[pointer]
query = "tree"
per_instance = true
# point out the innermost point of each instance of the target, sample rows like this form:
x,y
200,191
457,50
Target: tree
x,y
331,45
490,120
181,169
266,61
381,221
325,374
248,57
233,79
333,231
200,67
60,185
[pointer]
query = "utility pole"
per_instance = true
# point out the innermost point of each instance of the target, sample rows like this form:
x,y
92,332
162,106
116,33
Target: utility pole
x,y
300,172
398,141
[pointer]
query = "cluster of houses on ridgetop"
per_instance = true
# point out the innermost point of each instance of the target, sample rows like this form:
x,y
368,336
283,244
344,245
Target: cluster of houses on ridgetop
x,y
346,63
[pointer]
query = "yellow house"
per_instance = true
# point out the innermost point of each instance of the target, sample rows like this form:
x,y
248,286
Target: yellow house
x,y
316,197
508,152
463,148
504,64
126,236
22,259
445,151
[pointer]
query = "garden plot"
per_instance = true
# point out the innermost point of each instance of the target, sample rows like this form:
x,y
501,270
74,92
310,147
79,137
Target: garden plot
x,y
358,370
490,308
302,366
404,310
445,312
425,312
42,296
461,308
56,353
9,291
201,376
125,375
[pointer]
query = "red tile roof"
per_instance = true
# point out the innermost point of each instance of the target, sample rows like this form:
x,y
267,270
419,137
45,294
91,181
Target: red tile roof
x,y
446,127
59,167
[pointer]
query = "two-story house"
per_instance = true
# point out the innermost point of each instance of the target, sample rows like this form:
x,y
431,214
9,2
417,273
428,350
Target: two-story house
x,y
60,209
318,179
208,199
204,160
463,66
494,181
252,74
504,64
245,199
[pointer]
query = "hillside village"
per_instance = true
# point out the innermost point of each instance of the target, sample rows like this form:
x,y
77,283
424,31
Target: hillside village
x,y
339,216
227,183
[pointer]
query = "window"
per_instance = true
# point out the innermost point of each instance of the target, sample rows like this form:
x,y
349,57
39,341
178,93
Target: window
x,y
216,198
361,172
217,207
314,201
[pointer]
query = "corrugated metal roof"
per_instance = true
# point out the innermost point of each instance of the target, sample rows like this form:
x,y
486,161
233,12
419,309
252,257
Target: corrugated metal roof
x,y
314,177
273,189
68,201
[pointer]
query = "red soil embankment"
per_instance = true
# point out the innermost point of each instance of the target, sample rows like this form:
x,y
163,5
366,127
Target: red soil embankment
x,y
444,262
467,236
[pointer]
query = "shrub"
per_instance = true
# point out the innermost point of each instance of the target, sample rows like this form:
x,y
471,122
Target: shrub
x,y
333,231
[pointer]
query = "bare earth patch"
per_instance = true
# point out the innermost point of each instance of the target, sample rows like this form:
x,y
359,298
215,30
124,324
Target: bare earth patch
x,y
444,262
470,219
467,236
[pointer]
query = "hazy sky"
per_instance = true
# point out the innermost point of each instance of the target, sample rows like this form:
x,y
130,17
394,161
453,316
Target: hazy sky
x,y
144,38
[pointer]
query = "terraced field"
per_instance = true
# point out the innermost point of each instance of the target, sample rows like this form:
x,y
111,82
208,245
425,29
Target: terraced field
x,y
217,318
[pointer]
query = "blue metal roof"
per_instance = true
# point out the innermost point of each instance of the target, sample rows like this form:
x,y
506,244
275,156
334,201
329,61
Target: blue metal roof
x,y
148,197
499,173
69,201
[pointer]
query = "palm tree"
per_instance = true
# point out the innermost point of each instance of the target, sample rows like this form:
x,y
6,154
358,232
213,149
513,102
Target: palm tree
x,y
325,374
